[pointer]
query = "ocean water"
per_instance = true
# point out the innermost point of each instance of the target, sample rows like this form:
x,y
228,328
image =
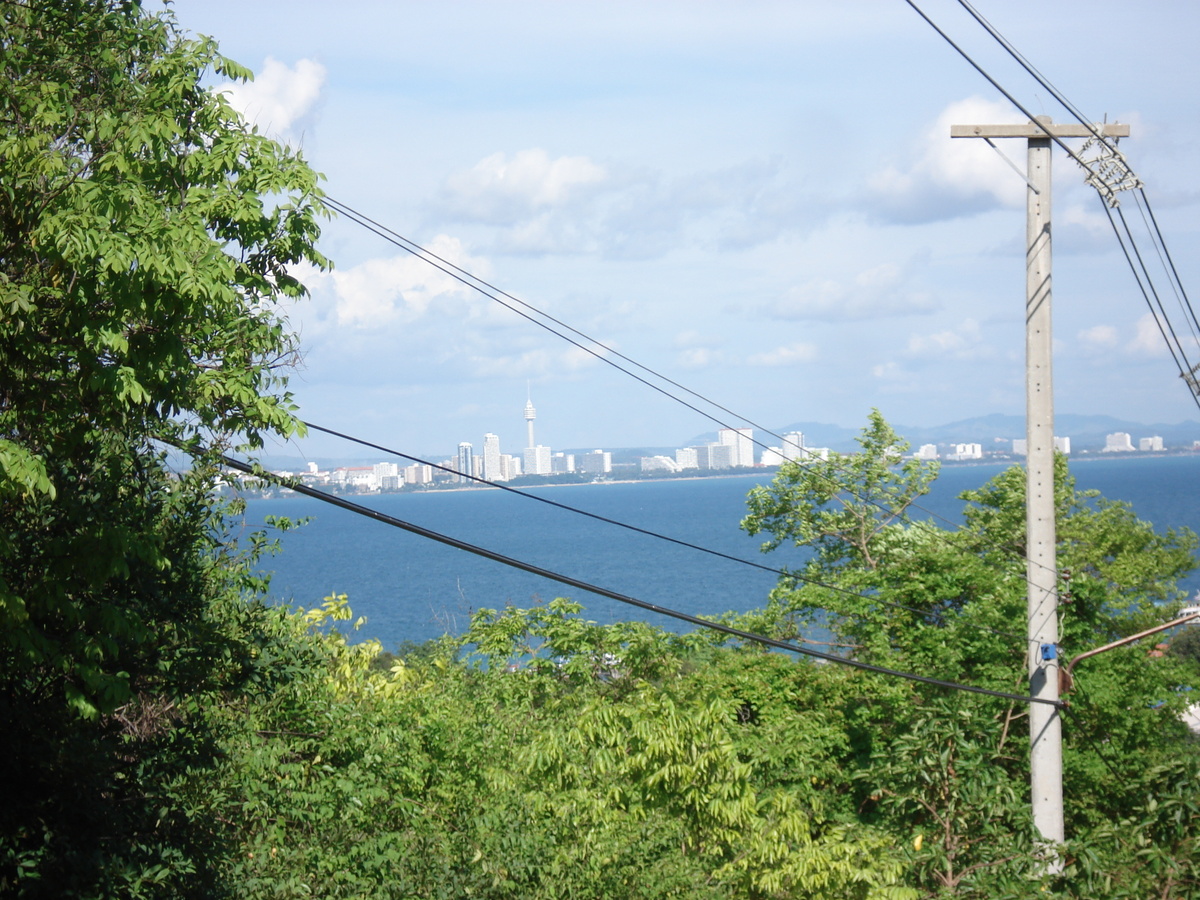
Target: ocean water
x,y
412,588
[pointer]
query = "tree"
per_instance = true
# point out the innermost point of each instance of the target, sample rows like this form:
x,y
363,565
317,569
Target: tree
x,y
950,603
147,237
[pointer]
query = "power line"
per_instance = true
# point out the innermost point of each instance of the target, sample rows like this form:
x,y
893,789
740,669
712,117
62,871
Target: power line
x,y
1186,369
476,550
488,290
994,83
654,534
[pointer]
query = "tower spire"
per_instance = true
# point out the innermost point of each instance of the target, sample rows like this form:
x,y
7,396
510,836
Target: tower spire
x,y
530,414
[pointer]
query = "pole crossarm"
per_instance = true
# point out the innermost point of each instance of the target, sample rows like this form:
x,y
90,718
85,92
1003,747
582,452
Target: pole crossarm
x,y
1106,167
1040,130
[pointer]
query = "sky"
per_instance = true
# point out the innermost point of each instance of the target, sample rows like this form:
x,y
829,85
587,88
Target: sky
x,y
759,200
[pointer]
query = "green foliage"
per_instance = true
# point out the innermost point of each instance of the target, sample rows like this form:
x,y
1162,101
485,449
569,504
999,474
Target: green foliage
x,y
953,776
1186,644
844,505
147,239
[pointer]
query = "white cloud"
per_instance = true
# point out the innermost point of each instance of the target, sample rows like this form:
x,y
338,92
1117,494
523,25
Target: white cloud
x,y
534,363
951,177
537,205
788,355
895,379
872,293
382,292
699,358
689,339
279,96
500,190
1099,337
963,342
1148,339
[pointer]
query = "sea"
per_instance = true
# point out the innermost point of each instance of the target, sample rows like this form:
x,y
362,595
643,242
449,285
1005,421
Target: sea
x,y
411,588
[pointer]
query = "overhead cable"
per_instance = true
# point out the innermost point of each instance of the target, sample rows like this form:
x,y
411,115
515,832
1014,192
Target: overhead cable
x,y
721,628
1187,370
654,534
488,290
994,83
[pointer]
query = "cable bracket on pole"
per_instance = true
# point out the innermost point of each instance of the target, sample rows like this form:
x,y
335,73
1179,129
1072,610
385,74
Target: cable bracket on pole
x,y
1108,171
1190,377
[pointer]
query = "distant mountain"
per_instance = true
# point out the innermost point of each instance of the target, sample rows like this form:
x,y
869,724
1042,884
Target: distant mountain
x,y
992,431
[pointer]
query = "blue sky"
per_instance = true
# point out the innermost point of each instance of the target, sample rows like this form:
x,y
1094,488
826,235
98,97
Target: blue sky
x,y
759,199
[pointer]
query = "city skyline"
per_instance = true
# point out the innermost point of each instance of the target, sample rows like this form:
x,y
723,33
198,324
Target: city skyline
x,y
732,448
762,202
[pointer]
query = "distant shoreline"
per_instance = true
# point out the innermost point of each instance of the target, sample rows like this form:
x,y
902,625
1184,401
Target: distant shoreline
x,y
758,474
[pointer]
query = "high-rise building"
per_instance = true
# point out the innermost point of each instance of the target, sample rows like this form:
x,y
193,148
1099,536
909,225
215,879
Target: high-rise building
x,y
383,469
562,463
465,461
742,442
715,456
598,462
538,461
492,468
510,465
793,445
418,474
1118,442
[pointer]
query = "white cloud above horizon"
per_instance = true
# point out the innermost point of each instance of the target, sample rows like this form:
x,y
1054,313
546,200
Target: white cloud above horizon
x,y
880,291
385,291
948,178
279,97
788,355
964,342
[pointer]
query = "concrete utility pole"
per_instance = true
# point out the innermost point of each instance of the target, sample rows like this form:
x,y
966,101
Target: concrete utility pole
x,y
1045,752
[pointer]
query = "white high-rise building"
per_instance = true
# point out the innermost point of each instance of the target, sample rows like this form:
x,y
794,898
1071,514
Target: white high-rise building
x,y
685,458
418,473
598,462
1118,442
742,442
465,462
793,445
1063,445
510,465
715,456
492,468
927,451
1150,443
537,461
562,463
